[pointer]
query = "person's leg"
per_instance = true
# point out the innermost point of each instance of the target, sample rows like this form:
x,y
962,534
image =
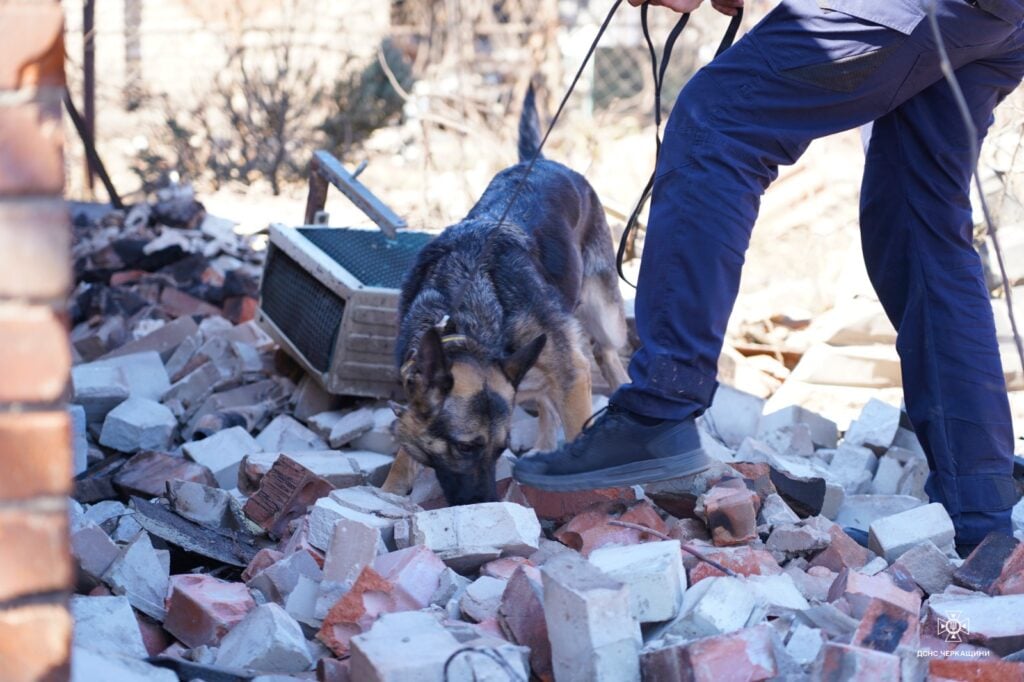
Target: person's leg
x,y
800,74
917,233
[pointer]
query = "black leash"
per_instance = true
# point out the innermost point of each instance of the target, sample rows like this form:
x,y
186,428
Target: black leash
x,y
659,77
659,81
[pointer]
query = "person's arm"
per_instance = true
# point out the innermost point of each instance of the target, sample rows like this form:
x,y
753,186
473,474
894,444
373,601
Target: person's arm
x,y
724,6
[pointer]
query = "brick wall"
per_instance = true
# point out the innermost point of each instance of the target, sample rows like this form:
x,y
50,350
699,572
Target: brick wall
x,y
35,450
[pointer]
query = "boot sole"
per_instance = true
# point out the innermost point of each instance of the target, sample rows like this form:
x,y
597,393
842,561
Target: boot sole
x,y
634,473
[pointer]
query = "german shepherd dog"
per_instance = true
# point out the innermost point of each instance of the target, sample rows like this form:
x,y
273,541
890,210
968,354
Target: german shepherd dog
x,y
494,311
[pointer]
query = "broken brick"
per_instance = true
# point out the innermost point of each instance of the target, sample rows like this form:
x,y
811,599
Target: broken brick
x,y
985,565
842,552
731,515
886,627
741,560
147,473
201,609
842,663
747,654
562,506
522,614
285,493
859,589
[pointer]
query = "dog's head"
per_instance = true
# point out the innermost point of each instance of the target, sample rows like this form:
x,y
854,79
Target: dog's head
x,y
459,412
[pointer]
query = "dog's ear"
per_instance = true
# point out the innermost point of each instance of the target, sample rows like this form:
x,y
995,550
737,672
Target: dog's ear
x,y
516,365
430,365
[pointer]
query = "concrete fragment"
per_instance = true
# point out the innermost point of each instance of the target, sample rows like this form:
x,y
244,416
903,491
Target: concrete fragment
x,y
592,631
804,644
277,580
891,536
714,606
365,504
347,427
98,390
222,453
928,566
653,572
415,574
139,574
887,477
268,640
107,625
824,432
79,439
794,440
748,654
286,492
914,478
805,489
797,539
876,426
402,647
203,504
379,438
163,341
285,434
482,598
859,511
138,424
775,512
144,373
201,609
522,616
778,594
301,602
466,537
353,546
842,552
733,415
853,467
92,548
89,666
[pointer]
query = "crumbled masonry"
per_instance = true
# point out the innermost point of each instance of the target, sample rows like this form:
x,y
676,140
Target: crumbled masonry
x,y
229,518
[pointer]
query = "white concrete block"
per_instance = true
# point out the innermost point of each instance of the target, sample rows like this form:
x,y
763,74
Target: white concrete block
x,y
380,437
590,624
482,597
891,536
859,511
90,666
805,644
139,574
887,476
138,424
714,606
402,647
778,593
144,373
350,426
107,625
285,434
98,390
733,415
824,432
222,453
876,426
267,640
853,467
654,573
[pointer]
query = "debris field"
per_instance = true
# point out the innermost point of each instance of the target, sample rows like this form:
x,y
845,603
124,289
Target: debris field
x,y
228,521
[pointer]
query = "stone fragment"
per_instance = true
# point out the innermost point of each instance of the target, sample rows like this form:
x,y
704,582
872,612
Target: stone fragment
x,y
775,512
201,609
805,490
362,503
731,515
858,590
139,574
985,565
482,598
222,453
842,552
653,572
147,473
344,427
466,537
202,504
876,426
824,432
592,631
842,663
301,602
913,480
138,424
285,434
98,390
268,640
379,438
927,566
107,625
285,493
748,654
891,536
522,615
859,511
714,606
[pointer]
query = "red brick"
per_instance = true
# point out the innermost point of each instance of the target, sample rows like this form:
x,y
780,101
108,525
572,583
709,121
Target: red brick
x,y
974,670
35,454
522,616
842,552
886,627
177,303
742,560
147,473
332,670
591,529
743,655
35,357
38,542
560,507
504,568
355,612
984,567
286,492
859,590
1011,580
263,559
414,572
731,515
843,663
35,247
201,609
35,642
31,149
240,309
33,40
154,637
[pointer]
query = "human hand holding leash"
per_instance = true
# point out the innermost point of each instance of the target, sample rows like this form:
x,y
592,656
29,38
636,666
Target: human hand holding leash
x,y
728,7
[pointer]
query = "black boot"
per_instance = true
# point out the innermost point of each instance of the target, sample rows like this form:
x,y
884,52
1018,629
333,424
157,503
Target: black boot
x,y
617,448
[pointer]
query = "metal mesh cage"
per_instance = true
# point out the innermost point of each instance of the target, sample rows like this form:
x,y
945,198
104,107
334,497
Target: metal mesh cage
x,y
305,311
367,254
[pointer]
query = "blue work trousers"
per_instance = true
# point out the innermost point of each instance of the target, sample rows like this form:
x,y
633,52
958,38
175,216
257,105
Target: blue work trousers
x,y
812,68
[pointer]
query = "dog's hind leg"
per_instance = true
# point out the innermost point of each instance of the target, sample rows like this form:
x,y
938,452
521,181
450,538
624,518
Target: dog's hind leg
x,y
403,473
601,313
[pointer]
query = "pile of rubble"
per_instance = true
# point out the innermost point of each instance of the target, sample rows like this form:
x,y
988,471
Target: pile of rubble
x,y
229,523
